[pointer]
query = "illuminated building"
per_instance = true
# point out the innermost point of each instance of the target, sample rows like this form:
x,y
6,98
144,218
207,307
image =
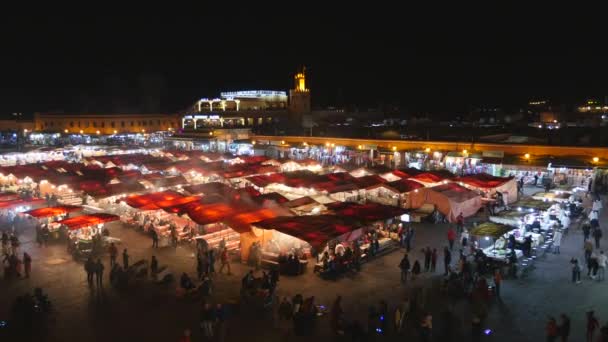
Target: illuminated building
x,y
299,97
249,108
104,123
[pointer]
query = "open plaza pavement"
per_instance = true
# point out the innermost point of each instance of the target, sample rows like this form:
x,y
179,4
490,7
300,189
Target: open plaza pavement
x,y
152,312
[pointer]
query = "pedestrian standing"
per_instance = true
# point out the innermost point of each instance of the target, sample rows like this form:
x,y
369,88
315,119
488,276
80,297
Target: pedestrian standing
x,y
89,267
588,250
113,254
154,238
557,241
125,259
592,324
415,270
224,261
410,239
99,273
497,282
576,271
586,232
27,263
427,258
597,235
404,265
447,259
434,260
451,237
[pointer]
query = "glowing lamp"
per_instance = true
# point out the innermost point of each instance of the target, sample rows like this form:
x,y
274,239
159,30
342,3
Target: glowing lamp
x,y
81,131
115,131
97,132
596,159
527,155
427,150
464,151
394,148
65,131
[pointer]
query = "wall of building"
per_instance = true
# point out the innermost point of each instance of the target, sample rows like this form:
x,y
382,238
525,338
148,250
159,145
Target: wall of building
x,y
533,150
105,123
15,125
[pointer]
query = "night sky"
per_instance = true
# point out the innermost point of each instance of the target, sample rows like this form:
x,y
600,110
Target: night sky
x,y
429,59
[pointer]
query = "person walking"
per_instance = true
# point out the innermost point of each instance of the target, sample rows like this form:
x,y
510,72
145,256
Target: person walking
x,y
564,328
27,263
427,258
576,271
154,238
125,259
113,254
99,273
451,237
557,241
592,324
224,261
447,259
404,266
434,260
597,235
497,283
415,270
410,239
588,250
89,267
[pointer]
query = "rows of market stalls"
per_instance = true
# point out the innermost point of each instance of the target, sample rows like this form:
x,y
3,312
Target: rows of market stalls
x,y
535,169
278,212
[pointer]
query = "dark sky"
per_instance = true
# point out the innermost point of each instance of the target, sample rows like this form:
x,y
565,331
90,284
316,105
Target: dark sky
x,y
432,58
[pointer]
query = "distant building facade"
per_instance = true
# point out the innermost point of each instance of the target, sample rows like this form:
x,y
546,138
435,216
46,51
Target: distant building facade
x,y
104,123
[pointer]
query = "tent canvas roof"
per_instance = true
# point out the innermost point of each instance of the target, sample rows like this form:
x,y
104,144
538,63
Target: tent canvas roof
x,y
316,230
88,220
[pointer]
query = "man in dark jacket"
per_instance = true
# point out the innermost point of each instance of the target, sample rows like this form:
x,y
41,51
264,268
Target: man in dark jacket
x,y
99,273
404,265
89,267
447,259
597,235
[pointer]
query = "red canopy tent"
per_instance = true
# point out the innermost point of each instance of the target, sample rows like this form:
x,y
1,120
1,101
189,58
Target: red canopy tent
x,y
316,230
53,211
405,185
368,212
78,222
155,200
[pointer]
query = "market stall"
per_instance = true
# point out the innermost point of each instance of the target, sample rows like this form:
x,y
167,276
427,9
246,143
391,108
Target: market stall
x,y
450,199
48,217
86,233
491,238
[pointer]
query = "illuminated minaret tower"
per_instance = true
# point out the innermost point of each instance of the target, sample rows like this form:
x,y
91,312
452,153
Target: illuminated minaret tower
x,y
299,97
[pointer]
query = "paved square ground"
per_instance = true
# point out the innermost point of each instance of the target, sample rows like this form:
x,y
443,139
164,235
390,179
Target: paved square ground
x,y
150,312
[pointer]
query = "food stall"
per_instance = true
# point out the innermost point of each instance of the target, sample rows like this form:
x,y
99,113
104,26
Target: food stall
x,y
50,215
85,230
492,239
